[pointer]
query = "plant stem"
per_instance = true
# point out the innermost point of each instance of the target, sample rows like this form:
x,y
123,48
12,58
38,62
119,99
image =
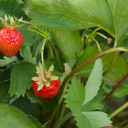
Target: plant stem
x,y
66,117
56,54
37,32
33,27
122,123
112,63
97,44
42,56
115,88
119,110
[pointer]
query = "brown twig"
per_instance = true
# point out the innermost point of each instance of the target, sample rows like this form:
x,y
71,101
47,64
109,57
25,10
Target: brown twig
x,y
115,88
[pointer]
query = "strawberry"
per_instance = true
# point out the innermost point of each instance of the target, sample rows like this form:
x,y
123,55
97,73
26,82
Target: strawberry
x,y
10,38
45,86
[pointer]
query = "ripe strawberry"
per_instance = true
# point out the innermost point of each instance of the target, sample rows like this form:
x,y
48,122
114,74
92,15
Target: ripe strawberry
x,y
45,86
10,38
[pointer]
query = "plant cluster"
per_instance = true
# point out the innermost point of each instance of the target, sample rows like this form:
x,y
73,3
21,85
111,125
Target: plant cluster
x,y
63,61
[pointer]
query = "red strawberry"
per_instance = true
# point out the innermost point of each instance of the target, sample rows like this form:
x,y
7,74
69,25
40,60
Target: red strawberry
x,y
10,38
45,86
46,92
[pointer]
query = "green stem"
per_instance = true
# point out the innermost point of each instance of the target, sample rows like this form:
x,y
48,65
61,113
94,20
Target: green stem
x,y
69,115
118,110
122,123
37,32
115,88
56,55
112,63
34,27
97,44
42,55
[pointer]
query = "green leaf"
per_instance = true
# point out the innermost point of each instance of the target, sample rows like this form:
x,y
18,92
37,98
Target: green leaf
x,y
98,119
12,117
70,14
11,7
67,71
28,36
94,81
27,55
120,18
4,95
121,92
21,78
116,74
24,104
74,99
35,121
95,103
69,43
33,97
7,60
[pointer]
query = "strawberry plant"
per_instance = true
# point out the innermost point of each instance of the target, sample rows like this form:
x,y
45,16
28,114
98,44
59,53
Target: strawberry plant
x,y
63,64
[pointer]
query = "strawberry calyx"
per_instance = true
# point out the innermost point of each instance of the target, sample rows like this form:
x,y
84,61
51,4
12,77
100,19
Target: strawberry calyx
x,y
44,79
10,22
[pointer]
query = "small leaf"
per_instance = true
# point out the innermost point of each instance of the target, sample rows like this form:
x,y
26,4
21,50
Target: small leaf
x,y
27,55
7,60
35,78
54,77
67,71
21,78
94,81
47,79
40,87
98,119
51,68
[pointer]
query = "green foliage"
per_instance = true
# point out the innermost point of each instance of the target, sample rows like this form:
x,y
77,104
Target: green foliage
x,y
94,81
11,7
4,96
27,55
97,119
119,70
12,117
7,60
21,78
67,71
69,43
77,95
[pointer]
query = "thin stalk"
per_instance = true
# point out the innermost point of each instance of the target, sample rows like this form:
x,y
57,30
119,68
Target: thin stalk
x,y
112,63
126,126
105,37
66,117
42,56
118,110
56,55
33,26
115,88
122,123
97,44
37,32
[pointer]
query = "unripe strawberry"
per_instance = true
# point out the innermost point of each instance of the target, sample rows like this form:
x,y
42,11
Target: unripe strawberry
x,y
10,38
